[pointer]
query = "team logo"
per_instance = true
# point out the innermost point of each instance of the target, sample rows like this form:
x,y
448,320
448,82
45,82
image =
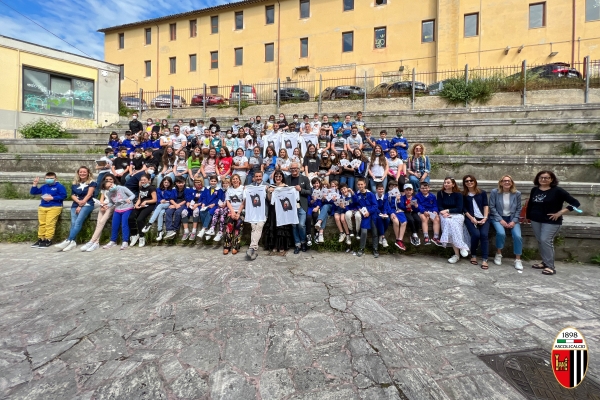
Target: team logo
x,y
569,358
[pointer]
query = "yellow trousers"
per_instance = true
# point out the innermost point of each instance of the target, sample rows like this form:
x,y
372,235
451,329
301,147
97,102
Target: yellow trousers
x,y
48,217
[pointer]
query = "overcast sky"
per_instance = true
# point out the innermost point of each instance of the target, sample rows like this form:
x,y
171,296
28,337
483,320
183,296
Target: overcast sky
x,y
77,21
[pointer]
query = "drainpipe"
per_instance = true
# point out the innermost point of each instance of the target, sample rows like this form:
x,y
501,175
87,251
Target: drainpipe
x,y
157,60
278,36
19,91
573,37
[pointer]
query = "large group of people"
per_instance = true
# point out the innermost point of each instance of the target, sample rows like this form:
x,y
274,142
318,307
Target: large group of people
x,y
286,179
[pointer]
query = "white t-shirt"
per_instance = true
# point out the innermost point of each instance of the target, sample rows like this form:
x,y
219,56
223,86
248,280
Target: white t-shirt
x,y
354,142
476,211
285,199
289,141
506,204
338,143
256,198
376,169
235,197
394,165
181,165
238,161
284,163
178,141
315,126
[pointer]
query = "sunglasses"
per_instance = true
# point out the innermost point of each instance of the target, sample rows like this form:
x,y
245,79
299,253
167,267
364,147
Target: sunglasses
x,y
469,181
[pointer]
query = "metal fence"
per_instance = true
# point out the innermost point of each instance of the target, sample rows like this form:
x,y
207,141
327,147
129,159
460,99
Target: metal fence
x,y
511,78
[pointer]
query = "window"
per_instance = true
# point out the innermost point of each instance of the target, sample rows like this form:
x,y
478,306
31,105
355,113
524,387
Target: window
x,y
148,65
380,37
270,14
121,40
214,59
239,20
148,35
192,62
592,10
62,95
347,41
239,56
348,5
193,28
304,8
214,90
173,31
172,65
471,24
214,24
380,2
428,31
269,52
537,15
122,72
304,47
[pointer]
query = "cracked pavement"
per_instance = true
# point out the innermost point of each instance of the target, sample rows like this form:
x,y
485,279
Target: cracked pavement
x,y
190,323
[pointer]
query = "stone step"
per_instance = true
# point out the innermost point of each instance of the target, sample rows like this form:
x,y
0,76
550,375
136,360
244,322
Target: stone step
x,y
577,240
56,146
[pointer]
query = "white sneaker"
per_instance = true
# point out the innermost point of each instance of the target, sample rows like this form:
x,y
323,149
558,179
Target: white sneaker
x,y
464,253
133,240
384,242
518,265
201,233
321,239
62,245
380,240
146,228
71,246
142,241
498,260
342,237
170,234
86,246
124,246
159,237
218,237
454,259
348,240
109,245
185,236
210,232
93,246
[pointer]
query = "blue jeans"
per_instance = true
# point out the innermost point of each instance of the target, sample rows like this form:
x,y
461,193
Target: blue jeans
x,y
323,214
373,184
479,234
416,182
382,224
348,180
205,218
99,181
174,218
159,213
267,176
77,220
120,220
299,229
516,235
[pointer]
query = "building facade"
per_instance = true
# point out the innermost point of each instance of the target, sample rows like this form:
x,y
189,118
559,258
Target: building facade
x,y
40,82
260,41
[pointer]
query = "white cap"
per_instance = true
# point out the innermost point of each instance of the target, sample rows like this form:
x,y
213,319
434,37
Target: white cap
x,y
408,186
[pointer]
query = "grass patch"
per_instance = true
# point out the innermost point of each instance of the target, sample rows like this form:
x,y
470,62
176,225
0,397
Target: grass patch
x,y
438,151
3,148
435,141
573,149
529,254
596,163
8,191
595,259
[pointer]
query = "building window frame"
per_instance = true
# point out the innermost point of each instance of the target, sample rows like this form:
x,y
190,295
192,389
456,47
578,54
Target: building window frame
x,y
121,39
304,9
172,65
147,36
193,62
380,42
239,20
349,34
148,68
193,28
238,57
214,24
378,3
173,31
304,47
423,24
347,5
588,11
214,60
543,5
269,52
122,72
269,10
476,15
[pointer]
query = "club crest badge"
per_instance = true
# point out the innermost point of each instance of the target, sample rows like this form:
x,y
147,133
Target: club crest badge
x,y
569,358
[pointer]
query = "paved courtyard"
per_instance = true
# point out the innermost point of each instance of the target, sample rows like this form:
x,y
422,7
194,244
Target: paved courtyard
x,y
190,323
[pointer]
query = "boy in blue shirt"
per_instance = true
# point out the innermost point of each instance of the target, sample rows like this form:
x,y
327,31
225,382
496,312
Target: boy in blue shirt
x,y
53,194
428,210
384,143
367,205
400,144
382,219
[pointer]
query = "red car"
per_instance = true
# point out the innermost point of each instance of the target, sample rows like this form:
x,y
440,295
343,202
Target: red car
x,y
211,99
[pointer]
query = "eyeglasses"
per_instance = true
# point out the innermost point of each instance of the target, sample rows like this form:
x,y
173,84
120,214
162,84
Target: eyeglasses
x,y
506,181
468,181
545,178
294,169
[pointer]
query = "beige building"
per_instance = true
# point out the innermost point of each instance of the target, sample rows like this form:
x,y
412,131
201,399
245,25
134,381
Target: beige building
x,y
259,41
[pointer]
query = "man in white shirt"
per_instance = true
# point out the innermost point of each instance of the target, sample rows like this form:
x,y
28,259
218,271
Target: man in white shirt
x,y
177,139
257,226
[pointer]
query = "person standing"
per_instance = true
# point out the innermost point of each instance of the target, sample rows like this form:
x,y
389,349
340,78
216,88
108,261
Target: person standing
x,y
255,204
505,210
53,193
545,211
302,185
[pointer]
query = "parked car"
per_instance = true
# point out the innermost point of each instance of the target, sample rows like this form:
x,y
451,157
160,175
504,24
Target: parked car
x,y
134,103
435,88
164,100
394,89
338,92
211,99
248,94
291,94
555,70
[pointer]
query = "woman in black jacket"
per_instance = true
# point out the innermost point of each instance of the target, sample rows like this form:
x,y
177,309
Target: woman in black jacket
x,y
545,211
476,209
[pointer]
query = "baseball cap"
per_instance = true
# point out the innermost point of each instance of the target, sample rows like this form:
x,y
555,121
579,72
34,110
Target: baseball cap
x,y
408,186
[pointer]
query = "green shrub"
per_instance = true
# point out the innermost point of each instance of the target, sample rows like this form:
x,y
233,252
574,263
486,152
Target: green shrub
x,y
573,149
9,191
3,148
478,90
125,111
43,129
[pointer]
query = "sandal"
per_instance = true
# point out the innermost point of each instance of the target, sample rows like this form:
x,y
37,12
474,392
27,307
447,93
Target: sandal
x,y
549,271
539,266
484,265
474,261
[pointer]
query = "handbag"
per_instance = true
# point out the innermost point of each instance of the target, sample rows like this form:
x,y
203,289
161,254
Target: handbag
x,y
523,215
